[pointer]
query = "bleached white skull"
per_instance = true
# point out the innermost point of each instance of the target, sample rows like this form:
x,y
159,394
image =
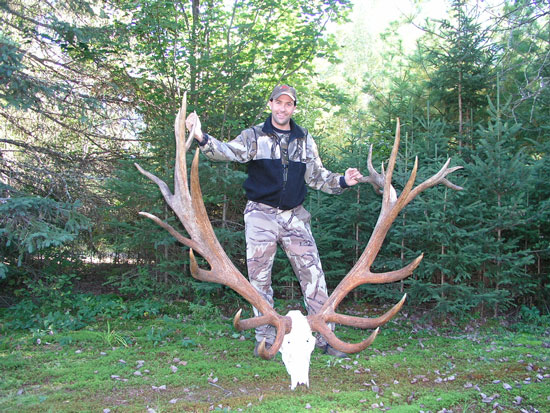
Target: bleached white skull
x,y
297,348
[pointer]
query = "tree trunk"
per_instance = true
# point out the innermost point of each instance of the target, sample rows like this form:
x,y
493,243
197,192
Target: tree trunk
x,y
194,47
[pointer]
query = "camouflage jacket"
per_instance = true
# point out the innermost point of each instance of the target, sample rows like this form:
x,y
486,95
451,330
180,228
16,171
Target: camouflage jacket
x,y
270,180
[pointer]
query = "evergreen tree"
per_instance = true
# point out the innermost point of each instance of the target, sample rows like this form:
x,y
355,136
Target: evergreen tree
x,y
497,176
536,232
524,68
458,57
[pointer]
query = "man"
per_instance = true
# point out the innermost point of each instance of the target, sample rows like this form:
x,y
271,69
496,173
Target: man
x,y
282,158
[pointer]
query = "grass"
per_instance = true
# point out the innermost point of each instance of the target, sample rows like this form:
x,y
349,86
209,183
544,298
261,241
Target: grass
x,y
200,363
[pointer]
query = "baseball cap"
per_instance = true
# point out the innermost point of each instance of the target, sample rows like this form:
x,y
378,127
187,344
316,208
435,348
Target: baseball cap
x,y
283,90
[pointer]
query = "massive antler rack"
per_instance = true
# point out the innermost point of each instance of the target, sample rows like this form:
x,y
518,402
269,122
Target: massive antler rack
x,y
188,204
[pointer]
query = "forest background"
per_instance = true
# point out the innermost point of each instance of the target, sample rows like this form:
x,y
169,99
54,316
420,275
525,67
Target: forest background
x,y
89,88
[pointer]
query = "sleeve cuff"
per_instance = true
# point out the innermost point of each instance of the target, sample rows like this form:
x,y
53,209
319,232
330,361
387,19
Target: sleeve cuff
x,y
204,139
343,182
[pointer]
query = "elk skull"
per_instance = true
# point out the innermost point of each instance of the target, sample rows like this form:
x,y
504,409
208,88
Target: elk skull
x,y
297,348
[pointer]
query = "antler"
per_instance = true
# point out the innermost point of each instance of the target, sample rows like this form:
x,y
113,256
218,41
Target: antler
x,y
189,208
361,273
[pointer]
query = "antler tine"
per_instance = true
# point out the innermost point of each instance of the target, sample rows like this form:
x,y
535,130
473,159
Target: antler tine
x,y
374,178
188,205
361,322
180,173
282,324
378,180
438,178
387,196
343,346
361,273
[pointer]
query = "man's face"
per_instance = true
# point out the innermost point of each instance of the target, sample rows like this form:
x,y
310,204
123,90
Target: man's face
x,y
282,109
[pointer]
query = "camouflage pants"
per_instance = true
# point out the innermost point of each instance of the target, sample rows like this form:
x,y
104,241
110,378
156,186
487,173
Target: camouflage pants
x,y
265,227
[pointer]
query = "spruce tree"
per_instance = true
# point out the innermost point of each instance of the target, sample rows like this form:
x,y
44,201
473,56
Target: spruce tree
x,y
497,175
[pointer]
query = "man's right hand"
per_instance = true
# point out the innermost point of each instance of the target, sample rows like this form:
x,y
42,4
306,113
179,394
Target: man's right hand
x,y
191,120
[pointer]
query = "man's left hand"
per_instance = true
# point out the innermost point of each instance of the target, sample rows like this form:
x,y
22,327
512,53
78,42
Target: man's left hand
x,y
352,176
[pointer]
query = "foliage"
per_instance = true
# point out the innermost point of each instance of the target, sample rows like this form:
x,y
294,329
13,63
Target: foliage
x,y
33,231
76,313
88,89
113,338
62,118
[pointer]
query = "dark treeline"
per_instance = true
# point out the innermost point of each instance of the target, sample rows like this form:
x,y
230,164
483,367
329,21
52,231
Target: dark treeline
x,y
86,89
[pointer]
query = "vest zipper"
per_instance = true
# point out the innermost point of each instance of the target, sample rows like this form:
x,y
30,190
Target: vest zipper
x,y
285,169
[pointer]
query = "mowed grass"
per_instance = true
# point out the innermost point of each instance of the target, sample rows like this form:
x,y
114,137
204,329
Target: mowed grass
x,y
171,364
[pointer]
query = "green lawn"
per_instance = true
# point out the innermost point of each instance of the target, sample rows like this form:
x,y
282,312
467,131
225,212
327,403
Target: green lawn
x,y
170,363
